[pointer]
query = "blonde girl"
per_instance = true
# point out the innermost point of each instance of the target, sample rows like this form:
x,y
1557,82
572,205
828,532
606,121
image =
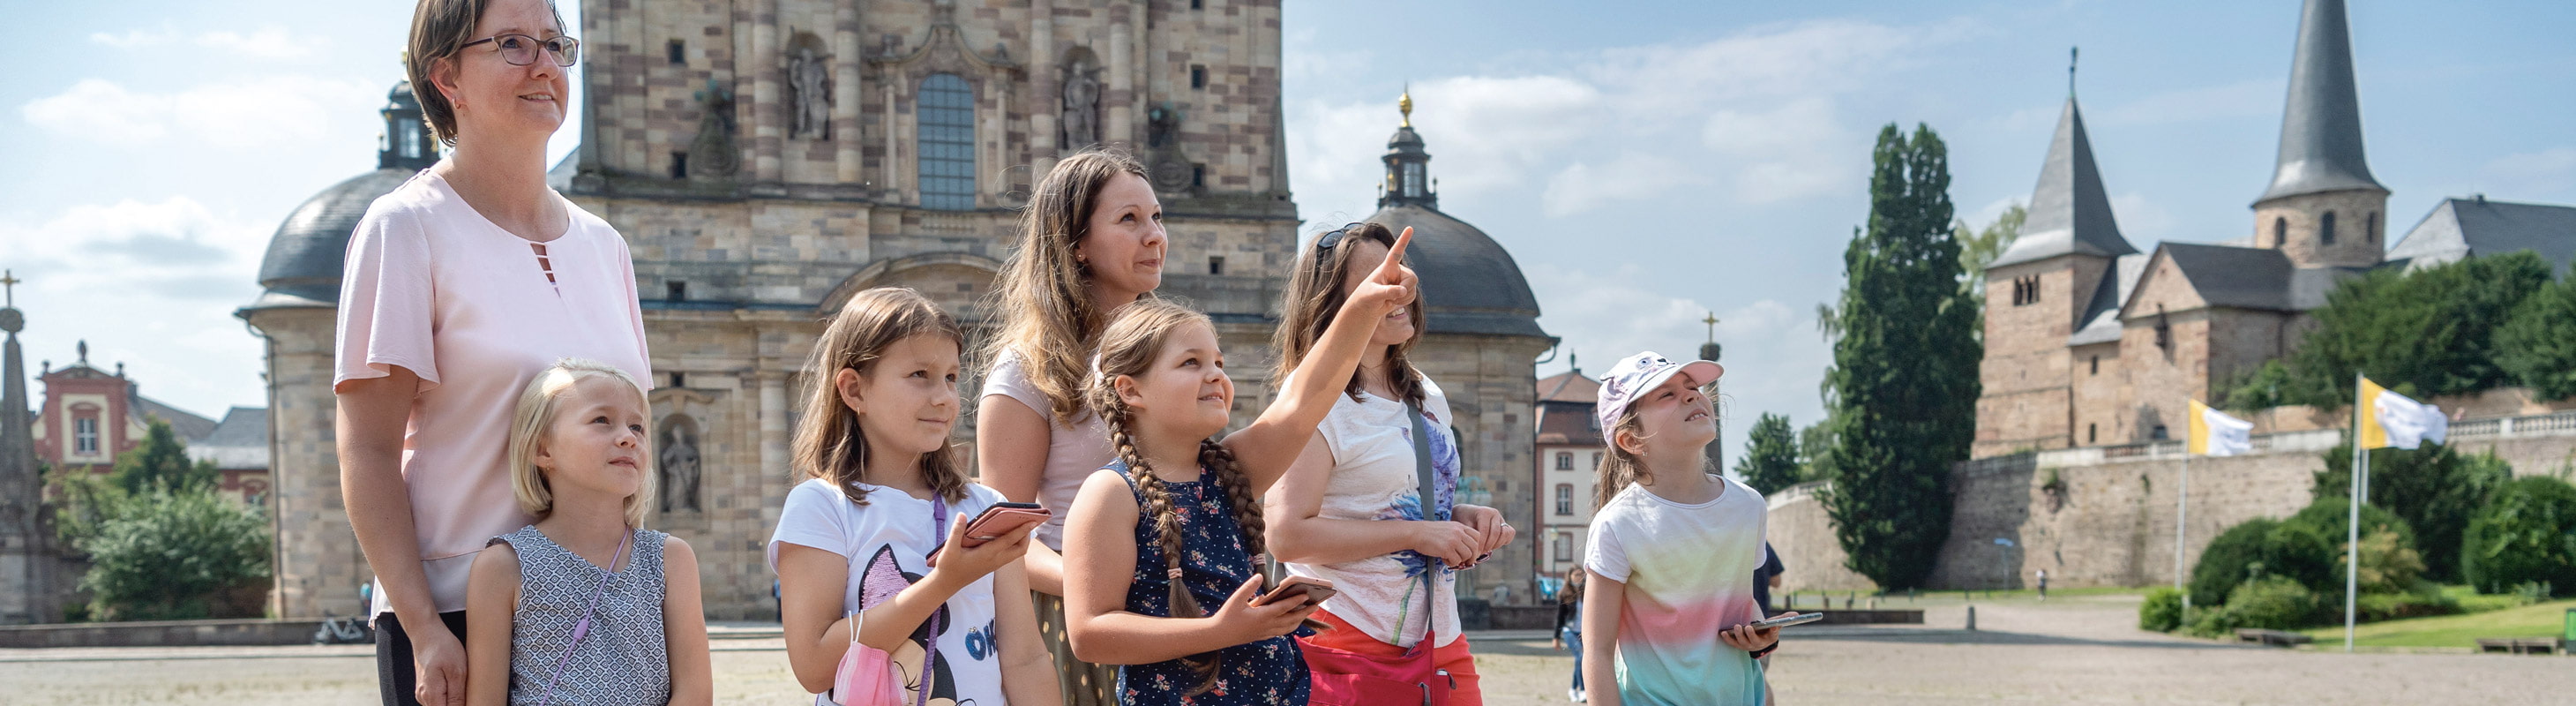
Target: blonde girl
x,y
1174,525
585,606
1091,241
882,491
1672,549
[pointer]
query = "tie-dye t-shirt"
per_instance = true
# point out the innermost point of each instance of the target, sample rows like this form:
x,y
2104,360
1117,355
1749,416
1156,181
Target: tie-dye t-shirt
x,y
1688,571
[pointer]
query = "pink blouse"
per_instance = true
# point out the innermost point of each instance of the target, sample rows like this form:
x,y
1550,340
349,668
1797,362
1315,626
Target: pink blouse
x,y
434,287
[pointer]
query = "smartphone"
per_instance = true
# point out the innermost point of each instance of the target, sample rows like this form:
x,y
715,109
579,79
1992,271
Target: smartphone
x,y
1787,620
1001,519
1313,590
996,520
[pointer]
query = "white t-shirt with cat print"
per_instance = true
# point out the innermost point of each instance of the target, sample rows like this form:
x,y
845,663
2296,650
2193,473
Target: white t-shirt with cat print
x,y
887,542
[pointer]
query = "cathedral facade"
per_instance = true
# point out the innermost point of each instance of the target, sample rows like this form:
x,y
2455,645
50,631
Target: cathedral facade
x,y
767,159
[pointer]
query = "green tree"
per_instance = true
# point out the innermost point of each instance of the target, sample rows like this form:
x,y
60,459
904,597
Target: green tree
x,y
1979,248
2433,488
2537,345
169,554
2526,533
1770,460
2428,332
1903,386
161,463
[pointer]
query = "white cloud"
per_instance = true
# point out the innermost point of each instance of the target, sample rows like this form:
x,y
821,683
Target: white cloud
x,y
1773,354
235,114
1763,101
148,284
2250,98
1633,176
268,42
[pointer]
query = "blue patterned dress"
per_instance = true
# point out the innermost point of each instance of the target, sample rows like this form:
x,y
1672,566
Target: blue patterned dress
x,y
1266,672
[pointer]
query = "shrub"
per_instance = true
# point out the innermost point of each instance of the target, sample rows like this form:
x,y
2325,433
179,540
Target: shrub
x,y
2163,610
2434,488
2274,602
2214,621
2299,551
168,555
2389,560
2525,533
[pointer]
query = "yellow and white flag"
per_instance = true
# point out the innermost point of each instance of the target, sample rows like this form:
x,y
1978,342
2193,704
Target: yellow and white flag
x,y
2390,419
2213,433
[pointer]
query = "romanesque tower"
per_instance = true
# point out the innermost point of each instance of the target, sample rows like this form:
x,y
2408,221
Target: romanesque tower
x,y
2035,293
2323,209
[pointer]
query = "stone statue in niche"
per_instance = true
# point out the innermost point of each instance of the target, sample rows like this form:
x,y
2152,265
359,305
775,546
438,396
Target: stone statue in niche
x,y
678,463
809,86
713,152
1081,120
1162,126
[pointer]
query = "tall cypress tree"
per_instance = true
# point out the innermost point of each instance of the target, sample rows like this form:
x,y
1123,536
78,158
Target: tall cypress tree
x,y
1904,382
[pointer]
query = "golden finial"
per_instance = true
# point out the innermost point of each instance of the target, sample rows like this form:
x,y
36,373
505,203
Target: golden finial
x,y
1404,104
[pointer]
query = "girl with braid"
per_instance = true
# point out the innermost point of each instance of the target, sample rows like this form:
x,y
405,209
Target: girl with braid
x,y
1173,526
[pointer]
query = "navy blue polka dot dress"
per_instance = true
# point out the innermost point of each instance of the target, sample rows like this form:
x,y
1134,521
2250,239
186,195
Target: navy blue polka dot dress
x,y
1266,672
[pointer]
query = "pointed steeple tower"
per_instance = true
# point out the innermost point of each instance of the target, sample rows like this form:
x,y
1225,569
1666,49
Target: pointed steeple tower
x,y
2323,207
2070,213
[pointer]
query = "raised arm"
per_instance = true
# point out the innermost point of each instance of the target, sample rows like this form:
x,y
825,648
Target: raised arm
x,y
1266,447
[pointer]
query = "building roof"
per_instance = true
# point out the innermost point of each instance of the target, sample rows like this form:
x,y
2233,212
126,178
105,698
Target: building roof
x,y
186,424
239,441
2321,148
2460,227
306,254
2070,213
2101,320
1569,386
2252,278
1470,284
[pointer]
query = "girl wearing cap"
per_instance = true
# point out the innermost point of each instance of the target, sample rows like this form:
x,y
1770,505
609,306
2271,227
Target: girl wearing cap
x,y
1672,546
1350,509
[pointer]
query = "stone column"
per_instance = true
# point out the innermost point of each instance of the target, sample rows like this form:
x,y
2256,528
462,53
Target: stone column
x,y
1118,127
891,184
773,420
1046,90
845,87
761,69
316,561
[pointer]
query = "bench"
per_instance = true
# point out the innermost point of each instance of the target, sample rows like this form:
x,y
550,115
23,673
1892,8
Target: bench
x,y
2519,645
2278,638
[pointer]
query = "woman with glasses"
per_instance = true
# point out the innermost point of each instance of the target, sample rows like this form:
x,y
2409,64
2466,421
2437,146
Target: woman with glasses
x,y
1368,504
460,286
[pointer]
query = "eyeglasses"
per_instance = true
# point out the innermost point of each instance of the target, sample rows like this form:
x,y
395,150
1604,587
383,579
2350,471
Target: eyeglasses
x,y
521,50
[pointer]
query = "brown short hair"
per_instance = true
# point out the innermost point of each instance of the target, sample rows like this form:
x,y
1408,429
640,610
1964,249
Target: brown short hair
x,y
440,29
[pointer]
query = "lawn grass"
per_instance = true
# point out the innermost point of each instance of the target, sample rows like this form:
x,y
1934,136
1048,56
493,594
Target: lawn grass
x,y
2536,620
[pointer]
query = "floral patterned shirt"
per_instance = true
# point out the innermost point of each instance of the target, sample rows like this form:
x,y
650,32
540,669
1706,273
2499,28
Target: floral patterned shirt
x,y
1269,671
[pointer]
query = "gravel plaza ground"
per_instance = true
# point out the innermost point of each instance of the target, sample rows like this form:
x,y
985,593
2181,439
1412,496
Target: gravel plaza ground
x,y
2078,649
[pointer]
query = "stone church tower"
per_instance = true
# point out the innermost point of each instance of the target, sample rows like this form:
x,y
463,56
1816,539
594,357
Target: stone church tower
x,y
2089,342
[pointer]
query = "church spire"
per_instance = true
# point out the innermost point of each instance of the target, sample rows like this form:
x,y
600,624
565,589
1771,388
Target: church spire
x,y
2070,213
2321,125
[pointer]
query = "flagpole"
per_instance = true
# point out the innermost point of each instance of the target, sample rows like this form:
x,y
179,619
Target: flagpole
x,y
2352,529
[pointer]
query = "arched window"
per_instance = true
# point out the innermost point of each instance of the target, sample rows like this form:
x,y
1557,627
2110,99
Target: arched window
x,y
2370,228
2325,229
2280,232
945,112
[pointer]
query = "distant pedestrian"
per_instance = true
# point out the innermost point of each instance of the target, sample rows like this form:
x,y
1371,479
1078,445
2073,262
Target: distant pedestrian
x,y
1569,628
2043,584
1767,577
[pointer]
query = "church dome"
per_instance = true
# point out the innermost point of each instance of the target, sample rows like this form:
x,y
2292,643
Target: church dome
x,y
305,256
1470,284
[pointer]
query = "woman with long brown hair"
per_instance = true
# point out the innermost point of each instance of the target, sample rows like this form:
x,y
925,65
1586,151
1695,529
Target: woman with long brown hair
x,y
1091,241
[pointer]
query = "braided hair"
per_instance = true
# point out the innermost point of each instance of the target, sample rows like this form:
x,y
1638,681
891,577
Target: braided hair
x,y
1128,348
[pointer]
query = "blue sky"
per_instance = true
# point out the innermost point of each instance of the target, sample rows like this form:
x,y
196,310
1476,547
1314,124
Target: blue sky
x,y
1644,162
